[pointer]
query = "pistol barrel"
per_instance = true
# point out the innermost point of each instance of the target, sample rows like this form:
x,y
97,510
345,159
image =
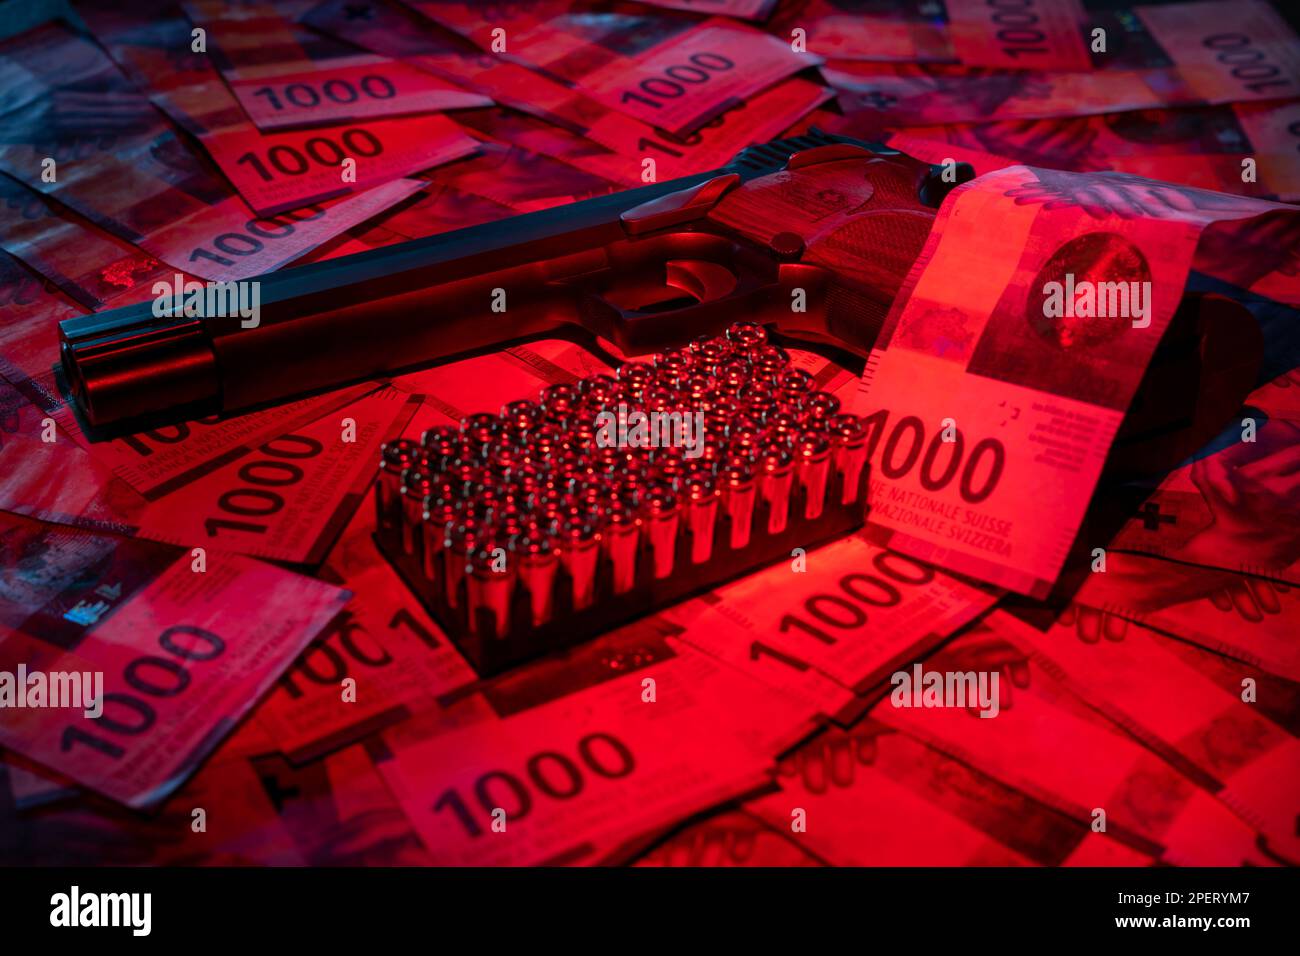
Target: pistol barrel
x,y
329,323
378,312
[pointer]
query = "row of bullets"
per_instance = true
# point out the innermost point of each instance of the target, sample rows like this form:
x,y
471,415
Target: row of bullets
x,y
537,497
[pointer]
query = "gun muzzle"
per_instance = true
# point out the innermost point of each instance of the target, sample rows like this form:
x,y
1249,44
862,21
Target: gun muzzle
x,y
126,373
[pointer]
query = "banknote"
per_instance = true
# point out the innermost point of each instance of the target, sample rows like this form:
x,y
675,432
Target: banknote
x,y
1204,147
88,264
666,85
1054,35
223,816
366,87
918,94
96,268
158,461
1051,35
400,32
257,37
30,310
1223,51
284,75
1047,743
519,178
1021,382
399,659
851,612
755,119
593,768
1217,738
240,809
338,811
616,147
886,30
711,629
1277,698
1039,34
176,656
727,838
29,304
680,75
1251,619
79,107
253,245
285,498
871,796
740,9
1236,505
556,120
642,649
45,474
278,171
116,162
1189,57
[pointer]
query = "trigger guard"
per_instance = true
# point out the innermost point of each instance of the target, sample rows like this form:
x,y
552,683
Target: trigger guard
x,y
637,331
707,281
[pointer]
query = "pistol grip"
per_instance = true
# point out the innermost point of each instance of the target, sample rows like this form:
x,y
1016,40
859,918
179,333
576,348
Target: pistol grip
x,y
858,216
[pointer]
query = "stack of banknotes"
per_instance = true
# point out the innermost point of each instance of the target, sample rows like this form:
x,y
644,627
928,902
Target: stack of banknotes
x,y
273,694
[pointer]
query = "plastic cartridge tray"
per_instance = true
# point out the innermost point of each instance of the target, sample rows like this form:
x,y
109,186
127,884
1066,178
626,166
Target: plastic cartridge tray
x,y
558,519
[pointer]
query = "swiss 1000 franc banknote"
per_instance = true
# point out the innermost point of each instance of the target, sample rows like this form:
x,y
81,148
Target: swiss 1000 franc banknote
x,y
576,777
993,402
1049,742
679,75
124,663
1236,505
1214,735
1245,617
872,796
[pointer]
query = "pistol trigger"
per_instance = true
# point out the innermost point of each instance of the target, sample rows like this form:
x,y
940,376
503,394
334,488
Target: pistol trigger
x,y
645,312
683,283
